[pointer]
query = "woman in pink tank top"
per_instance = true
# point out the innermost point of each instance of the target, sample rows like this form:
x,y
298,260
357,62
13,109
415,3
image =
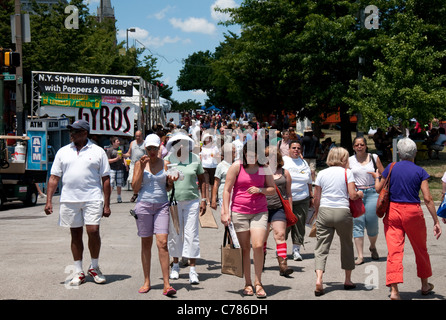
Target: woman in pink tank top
x,y
249,183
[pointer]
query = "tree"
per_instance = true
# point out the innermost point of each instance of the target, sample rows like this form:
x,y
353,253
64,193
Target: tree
x,y
408,80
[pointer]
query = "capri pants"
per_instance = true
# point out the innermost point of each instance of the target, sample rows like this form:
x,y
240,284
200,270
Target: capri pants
x,y
369,220
402,219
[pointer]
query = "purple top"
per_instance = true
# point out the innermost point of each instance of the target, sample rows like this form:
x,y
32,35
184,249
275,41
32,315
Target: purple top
x,y
405,181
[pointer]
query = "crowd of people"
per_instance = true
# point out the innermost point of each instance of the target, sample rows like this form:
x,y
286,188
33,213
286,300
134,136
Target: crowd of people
x,y
241,166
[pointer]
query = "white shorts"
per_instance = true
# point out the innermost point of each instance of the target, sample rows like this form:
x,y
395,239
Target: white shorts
x,y
78,214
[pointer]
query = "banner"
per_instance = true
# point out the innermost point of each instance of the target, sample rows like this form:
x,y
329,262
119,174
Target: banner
x,y
115,120
72,83
71,100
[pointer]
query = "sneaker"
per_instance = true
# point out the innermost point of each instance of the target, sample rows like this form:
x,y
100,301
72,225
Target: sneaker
x,y
78,279
96,274
297,256
119,200
193,277
175,272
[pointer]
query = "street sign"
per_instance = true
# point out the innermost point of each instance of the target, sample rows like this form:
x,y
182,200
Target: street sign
x,y
9,77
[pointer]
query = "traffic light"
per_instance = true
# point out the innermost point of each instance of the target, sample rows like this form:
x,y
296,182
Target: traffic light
x,y
10,58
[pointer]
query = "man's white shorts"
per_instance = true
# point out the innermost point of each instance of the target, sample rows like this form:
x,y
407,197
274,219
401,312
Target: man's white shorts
x,y
78,214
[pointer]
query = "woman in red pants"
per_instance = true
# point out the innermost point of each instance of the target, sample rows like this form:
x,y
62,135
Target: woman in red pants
x,y
405,217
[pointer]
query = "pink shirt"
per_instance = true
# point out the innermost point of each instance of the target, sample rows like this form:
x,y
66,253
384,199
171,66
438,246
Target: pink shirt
x,y
244,202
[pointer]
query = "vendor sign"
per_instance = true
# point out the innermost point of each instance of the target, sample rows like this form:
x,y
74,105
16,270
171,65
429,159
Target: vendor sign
x,y
84,84
71,100
110,119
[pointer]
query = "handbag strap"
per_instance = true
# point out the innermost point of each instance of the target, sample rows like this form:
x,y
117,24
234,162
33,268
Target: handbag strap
x,y
278,192
172,194
227,237
386,183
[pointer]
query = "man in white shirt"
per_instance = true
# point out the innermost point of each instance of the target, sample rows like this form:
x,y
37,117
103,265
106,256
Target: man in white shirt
x,y
84,171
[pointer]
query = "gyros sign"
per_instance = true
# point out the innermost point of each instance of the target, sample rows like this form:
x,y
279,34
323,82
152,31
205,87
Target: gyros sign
x,y
109,120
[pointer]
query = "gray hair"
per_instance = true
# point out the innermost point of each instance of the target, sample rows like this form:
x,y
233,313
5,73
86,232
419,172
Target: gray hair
x,y
407,149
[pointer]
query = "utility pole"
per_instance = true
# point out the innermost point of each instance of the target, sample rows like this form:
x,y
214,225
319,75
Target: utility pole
x,y
19,69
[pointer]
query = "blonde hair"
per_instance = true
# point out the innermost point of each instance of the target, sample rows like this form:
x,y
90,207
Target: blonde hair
x,y
337,156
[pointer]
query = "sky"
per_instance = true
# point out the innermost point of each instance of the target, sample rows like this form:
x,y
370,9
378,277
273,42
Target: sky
x,y
171,30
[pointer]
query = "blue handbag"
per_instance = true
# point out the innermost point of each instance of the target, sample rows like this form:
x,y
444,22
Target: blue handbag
x,y
441,212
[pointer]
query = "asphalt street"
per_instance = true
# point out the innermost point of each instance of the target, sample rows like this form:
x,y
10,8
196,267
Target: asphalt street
x,y
36,263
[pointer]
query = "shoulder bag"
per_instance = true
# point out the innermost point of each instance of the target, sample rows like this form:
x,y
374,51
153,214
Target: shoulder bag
x,y
291,218
383,203
356,206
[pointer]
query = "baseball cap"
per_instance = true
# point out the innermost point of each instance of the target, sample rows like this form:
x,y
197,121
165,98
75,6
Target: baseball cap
x,y
80,125
152,140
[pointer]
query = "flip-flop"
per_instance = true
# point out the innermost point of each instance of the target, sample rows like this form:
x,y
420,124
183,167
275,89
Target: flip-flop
x,y
170,292
144,290
426,292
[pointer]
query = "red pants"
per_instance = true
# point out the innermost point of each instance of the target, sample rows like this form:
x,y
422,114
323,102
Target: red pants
x,y
402,219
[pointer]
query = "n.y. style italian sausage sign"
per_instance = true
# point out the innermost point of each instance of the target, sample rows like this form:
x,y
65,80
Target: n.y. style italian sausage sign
x,y
73,83
115,120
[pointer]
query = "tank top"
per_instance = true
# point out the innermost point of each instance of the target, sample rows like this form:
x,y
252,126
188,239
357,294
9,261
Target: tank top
x,y
138,151
274,201
153,188
244,202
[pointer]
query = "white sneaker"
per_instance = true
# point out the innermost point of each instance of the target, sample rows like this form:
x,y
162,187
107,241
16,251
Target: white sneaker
x,y
96,274
297,256
175,272
78,279
193,277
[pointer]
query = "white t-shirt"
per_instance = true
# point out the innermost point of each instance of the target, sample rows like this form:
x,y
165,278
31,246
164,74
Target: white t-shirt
x,y
220,173
360,172
209,156
300,177
334,188
81,173
238,149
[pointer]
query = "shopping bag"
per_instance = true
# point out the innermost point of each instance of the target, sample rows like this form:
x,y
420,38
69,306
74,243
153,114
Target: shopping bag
x,y
383,202
291,218
441,212
207,220
231,257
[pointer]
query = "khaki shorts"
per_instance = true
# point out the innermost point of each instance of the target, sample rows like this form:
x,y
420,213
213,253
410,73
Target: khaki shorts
x,y
78,214
245,222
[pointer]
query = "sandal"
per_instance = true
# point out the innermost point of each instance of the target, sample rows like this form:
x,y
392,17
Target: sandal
x,y
169,292
259,293
144,289
248,290
375,255
426,292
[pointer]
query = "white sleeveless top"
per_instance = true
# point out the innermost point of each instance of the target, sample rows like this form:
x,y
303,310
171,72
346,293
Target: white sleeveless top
x,y
360,172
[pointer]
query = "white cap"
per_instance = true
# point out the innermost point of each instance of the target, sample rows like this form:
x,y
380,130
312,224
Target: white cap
x,y
152,140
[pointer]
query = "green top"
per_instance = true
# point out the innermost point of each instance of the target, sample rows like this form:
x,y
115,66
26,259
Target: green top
x,y
187,189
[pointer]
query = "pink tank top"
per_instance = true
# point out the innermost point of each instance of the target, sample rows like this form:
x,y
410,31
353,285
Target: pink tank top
x,y
244,202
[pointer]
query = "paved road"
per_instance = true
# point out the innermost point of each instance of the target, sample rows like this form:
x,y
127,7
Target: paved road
x,y
36,261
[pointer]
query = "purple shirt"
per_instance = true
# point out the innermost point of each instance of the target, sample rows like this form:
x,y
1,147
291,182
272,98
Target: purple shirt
x,y
405,181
